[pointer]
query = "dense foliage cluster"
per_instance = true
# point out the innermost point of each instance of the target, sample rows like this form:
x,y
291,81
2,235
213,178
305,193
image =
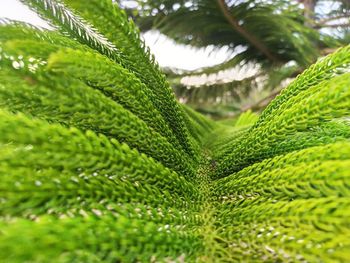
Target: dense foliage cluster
x,y
100,163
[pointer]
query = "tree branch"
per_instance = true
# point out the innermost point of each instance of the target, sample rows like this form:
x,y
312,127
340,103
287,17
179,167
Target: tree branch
x,y
251,38
328,19
327,51
333,25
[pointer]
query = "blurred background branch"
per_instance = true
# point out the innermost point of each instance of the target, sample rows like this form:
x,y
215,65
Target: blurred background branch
x,y
269,42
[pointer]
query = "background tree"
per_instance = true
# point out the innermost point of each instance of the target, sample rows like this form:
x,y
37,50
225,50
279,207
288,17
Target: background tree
x,y
280,38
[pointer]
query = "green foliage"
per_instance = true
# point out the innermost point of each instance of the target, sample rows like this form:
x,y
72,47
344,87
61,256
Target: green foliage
x,y
297,110
246,118
101,73
136,57
99,162
296,202
70,102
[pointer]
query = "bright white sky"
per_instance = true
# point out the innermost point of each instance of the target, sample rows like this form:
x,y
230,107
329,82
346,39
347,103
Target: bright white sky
x,y
167,53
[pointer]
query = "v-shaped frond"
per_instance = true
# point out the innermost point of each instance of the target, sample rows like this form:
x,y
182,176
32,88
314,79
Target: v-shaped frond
x,y
100,163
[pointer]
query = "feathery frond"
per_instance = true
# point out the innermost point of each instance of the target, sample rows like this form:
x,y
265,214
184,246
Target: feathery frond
x,y
100,163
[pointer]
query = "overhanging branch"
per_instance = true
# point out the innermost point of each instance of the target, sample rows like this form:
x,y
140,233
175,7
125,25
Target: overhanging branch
x,y
251,38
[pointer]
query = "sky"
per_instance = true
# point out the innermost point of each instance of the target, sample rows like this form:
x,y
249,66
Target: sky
x,y
167,53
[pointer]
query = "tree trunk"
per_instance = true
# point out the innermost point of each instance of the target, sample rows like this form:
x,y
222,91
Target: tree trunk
x,y
309,11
